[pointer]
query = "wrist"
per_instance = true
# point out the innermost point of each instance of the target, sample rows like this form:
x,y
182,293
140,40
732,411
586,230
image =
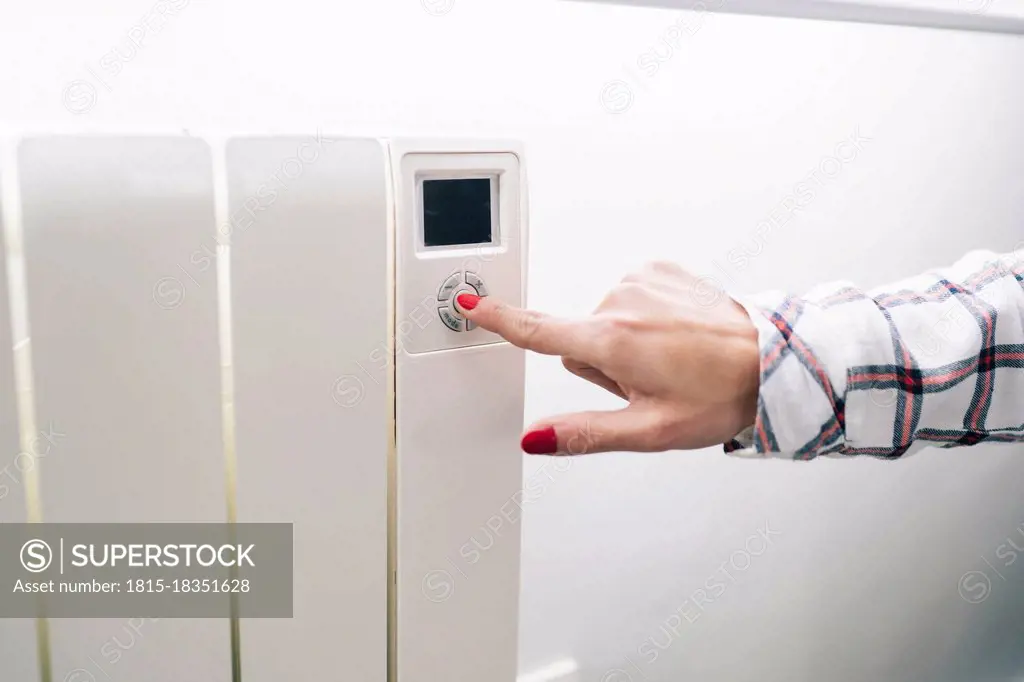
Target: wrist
x,y
748,359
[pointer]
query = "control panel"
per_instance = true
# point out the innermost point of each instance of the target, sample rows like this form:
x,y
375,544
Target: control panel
x,y
457,230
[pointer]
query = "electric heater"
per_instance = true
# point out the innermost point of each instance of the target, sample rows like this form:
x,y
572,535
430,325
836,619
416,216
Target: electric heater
x,y
263,329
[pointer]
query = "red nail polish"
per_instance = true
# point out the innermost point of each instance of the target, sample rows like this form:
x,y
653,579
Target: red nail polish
x,y
540,442
467,301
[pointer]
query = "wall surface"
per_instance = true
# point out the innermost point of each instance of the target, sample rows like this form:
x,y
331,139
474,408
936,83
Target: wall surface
x,y
656,134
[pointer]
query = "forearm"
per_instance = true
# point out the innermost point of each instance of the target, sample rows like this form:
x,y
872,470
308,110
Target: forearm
x,y
937,359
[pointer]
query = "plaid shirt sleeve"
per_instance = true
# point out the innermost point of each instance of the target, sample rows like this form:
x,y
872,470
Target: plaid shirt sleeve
x,y
934,360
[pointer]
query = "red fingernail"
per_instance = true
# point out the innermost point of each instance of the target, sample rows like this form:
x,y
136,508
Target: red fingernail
x,y
540,442
467,301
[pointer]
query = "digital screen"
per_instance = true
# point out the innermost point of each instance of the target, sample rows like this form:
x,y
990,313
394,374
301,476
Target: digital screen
x,y
457,212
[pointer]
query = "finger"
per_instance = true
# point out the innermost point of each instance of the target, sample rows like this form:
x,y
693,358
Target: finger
x,y
594,376
527,329
632,429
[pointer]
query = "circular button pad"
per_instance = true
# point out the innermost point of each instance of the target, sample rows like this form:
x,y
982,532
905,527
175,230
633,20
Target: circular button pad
x,y
458,283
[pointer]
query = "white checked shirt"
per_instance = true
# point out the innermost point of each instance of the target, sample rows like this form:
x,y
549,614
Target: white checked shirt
x,y
937,359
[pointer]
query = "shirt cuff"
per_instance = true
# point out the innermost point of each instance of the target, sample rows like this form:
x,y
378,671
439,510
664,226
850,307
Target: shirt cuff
x,y
800,412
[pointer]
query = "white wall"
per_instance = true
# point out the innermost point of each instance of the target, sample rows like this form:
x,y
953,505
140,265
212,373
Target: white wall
x,y
860,580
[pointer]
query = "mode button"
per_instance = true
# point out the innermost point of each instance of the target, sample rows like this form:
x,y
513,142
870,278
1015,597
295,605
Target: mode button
x,y
450,320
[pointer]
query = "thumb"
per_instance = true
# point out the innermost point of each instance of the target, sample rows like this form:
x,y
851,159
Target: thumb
x,y
636,428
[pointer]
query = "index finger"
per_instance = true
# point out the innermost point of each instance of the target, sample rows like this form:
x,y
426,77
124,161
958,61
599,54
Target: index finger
x,y
529,329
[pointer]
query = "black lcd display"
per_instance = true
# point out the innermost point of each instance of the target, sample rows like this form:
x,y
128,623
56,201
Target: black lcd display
x,y
457,211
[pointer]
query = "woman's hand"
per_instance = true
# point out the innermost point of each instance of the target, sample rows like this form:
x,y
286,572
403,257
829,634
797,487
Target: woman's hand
x,y
685,358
